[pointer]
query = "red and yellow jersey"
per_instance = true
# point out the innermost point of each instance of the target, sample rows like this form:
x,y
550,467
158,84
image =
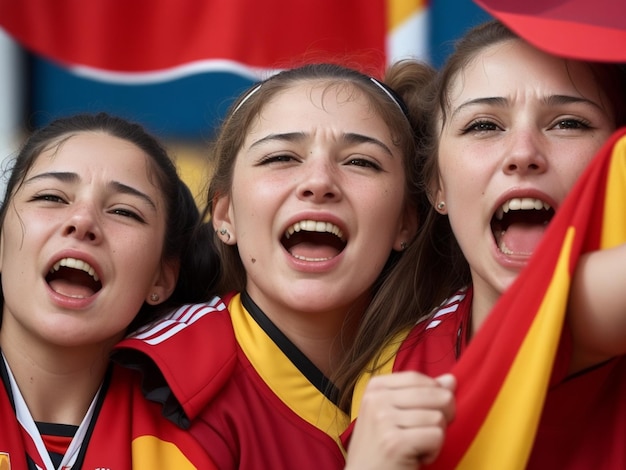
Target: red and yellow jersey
x,y
583,423
517,407
128,432
256,409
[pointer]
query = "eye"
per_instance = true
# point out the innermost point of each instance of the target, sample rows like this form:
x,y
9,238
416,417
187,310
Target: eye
x,y
363,162
127,213
277,158
49,198
480,126
572,123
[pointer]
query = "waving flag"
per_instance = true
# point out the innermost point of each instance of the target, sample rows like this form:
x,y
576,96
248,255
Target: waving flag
x,y
165,38
176,65
504,374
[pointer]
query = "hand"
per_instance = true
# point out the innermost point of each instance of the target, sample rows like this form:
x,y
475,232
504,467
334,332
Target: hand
x,y
402,421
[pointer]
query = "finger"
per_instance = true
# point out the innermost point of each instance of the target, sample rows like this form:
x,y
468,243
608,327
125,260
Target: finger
x,y
405,379
412,419
422,444
447,381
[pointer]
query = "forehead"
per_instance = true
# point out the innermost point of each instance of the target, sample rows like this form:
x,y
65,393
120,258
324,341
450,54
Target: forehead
x,y
94,153
328,103
514,67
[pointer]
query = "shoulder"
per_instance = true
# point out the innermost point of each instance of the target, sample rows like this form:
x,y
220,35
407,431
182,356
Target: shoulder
x,y
451,310
435,343
190,329
185,357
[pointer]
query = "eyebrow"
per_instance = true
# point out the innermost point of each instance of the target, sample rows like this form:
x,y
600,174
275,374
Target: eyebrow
x,y
69,177
566,99
552,100
349,137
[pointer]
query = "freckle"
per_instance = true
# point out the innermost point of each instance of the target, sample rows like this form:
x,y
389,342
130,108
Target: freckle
x,y
253,260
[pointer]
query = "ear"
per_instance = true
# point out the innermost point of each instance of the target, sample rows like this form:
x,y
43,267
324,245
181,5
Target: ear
x,y
437,195
222,219
407,229
164,282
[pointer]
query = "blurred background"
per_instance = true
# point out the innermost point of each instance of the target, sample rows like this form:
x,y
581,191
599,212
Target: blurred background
x,y
176,65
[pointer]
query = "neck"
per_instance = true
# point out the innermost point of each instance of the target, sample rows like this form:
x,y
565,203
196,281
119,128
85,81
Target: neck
x,y
483,301
322,337
58,384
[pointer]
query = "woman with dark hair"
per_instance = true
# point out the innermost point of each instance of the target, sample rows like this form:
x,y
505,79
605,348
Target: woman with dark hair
x,y
95,228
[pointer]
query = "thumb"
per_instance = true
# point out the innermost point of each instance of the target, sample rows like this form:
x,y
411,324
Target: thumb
x,y
447,381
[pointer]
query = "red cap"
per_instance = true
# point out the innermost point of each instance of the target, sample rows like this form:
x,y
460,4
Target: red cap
x,y
592,30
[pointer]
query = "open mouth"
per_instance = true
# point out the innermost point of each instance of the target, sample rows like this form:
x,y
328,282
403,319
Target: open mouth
x,y
311,240
519,224
74,278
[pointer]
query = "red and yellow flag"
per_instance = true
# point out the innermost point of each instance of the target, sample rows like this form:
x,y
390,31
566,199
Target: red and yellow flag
x,y
504,374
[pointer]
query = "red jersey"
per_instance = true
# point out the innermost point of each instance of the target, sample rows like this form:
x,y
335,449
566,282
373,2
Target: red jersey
x,y
583,423
265,413
126,431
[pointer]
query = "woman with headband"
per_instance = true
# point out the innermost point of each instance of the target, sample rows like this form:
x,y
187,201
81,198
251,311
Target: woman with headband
x,y
313,201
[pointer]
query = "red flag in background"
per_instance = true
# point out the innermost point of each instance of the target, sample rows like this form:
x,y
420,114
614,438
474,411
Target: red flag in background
x,y
504,373
152,35
174,65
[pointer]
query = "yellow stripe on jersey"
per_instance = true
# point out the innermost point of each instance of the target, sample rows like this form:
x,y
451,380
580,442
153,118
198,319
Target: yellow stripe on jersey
x,y
5,461
150,452
380,365
283,377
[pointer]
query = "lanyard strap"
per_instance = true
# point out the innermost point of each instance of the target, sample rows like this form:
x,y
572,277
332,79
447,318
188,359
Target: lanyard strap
x,y
35,444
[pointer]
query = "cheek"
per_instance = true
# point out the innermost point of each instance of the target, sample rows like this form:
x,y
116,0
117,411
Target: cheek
x,y
571,171
385,208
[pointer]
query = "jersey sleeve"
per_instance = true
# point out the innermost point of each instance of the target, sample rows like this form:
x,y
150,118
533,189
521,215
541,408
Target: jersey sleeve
x,y
185,358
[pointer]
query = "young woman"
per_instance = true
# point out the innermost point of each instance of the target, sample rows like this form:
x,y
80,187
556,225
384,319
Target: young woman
x,y
515,127
310,201
94,228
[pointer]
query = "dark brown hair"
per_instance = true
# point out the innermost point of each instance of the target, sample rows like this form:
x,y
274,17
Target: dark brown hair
x,y
186,238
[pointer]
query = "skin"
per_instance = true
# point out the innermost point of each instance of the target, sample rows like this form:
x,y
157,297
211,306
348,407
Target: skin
x,y
402,421
322,154
57,337
507,136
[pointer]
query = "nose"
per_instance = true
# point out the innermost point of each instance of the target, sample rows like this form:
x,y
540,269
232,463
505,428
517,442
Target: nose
x,y
320,182
83,224
525,154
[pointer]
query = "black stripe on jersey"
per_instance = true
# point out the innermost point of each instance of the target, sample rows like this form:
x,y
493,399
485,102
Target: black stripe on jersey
x,y
303,363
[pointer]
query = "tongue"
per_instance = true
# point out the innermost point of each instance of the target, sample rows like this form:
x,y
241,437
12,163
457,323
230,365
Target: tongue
x,y
69,289
313,251
520,238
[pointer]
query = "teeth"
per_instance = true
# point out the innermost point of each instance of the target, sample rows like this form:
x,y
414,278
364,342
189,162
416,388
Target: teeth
x,y
524,204
314,226
304,258
75,264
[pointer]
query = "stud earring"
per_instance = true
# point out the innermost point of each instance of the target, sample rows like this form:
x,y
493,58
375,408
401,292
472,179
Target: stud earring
x,y
441,206
223,232
154,297
403,246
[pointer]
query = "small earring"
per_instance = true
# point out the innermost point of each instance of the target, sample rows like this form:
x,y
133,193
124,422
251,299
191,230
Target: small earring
x,y
403,246
441,206
154,297
223,232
